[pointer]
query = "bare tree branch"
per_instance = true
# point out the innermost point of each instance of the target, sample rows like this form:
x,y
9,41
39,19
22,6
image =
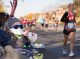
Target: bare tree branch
x,y
14,5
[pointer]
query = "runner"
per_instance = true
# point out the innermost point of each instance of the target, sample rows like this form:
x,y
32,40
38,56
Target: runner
x,y
46,25
56,24
41,21
69,29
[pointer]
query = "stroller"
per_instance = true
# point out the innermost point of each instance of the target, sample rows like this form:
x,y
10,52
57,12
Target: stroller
x,y
38,48
25,51
31,49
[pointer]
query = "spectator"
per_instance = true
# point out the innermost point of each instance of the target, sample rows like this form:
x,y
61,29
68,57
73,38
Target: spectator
x,y
5,38
16,29
19,36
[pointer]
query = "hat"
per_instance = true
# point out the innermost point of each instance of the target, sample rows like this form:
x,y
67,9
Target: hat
x,y
11,21
3,16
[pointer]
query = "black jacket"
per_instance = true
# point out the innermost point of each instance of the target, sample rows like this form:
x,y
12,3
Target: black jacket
x,y
64,17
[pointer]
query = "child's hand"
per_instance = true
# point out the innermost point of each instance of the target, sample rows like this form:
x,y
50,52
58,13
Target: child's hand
x,y
25,33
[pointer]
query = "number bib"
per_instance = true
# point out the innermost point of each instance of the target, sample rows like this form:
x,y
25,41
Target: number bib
x,y
71,26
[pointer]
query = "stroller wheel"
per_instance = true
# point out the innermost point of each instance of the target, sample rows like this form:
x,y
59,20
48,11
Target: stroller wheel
x,y
1,54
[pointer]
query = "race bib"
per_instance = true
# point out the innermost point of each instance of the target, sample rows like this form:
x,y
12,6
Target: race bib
x,y
71,25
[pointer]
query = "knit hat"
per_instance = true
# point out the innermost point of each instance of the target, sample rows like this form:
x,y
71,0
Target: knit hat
x,y
3,16
11,21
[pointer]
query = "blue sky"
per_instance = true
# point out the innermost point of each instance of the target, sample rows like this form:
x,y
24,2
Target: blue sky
x,y
28,6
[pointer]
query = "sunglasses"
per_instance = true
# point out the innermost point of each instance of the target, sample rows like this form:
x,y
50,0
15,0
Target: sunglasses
x,y
17,26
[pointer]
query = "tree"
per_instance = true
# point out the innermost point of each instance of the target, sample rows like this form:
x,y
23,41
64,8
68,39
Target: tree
x,y
77,4
1,7
14,5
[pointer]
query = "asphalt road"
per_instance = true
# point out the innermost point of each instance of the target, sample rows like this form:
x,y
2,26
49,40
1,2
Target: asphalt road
x,y
53,42
54,45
